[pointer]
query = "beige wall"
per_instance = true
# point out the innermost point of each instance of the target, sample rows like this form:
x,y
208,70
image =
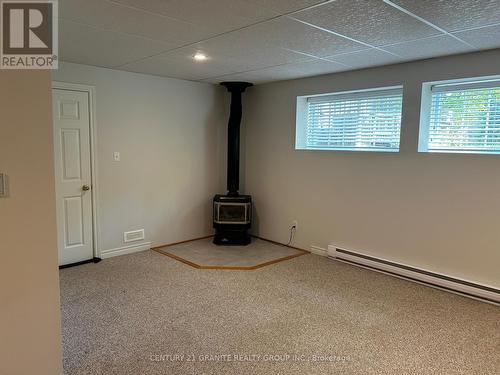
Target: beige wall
x,y
167,132
440,212
30,341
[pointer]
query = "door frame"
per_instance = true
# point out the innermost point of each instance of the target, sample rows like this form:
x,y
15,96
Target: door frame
x,y
90,90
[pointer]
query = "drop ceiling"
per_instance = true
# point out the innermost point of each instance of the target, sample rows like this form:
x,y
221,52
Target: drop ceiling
x,y
269,40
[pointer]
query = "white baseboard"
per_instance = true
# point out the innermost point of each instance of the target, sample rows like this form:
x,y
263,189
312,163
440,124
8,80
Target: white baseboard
x,y
318,251
451,284
125,250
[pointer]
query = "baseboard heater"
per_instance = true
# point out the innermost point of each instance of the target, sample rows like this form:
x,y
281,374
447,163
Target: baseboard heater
x,y
448,283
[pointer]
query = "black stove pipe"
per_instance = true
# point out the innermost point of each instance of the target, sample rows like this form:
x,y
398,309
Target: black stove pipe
x,y
233,136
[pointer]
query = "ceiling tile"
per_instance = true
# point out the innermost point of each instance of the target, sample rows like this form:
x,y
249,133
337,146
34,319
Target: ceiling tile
x,y
429,47
161,36
180,64
256,77
484,38
253,77
372,22
365,59
215,16
455,14
290,34
243,53
312,67
285,6
287,71
89,45
115,17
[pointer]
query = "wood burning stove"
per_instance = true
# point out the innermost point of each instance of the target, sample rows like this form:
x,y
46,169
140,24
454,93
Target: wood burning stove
x,y
232,219
232,213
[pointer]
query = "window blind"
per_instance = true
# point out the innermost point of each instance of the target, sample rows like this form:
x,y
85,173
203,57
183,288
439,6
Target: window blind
x,y
360,121
465,118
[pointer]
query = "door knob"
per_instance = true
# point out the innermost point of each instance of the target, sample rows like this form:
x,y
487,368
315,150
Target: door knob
x,y
85,187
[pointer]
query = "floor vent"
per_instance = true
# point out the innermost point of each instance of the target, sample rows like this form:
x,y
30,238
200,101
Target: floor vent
x,y
134,235
467,288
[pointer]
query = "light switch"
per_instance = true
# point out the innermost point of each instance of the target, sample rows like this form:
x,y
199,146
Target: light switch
x,y
116,156
3,185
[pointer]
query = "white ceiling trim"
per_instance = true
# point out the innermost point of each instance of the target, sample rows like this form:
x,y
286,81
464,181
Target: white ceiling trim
x,y
404,10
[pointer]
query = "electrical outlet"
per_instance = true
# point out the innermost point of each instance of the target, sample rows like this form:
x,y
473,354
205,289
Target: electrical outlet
x,y
295,224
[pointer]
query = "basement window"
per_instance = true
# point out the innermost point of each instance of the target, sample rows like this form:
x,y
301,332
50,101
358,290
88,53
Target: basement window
x,y
365,120
461,117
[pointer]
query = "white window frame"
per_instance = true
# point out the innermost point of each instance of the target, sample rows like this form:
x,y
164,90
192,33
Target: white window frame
x,y
426,107
301,118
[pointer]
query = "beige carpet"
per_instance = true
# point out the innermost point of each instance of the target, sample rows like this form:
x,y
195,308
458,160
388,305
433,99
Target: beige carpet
x,y
204,254
131,315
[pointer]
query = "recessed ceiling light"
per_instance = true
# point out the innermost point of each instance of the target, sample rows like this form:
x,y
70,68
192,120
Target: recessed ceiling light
x,y
200,57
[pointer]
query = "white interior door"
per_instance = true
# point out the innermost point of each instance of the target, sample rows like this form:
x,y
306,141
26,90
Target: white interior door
x,y
73,175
